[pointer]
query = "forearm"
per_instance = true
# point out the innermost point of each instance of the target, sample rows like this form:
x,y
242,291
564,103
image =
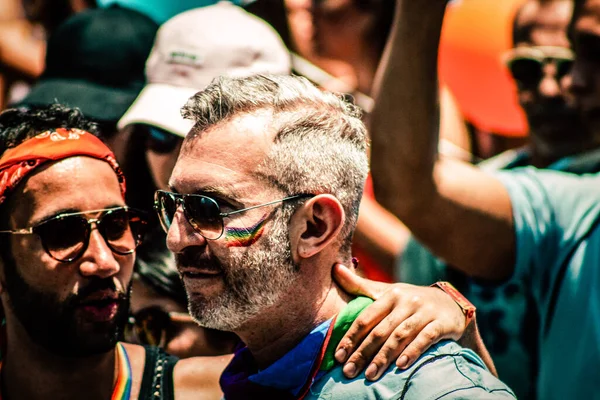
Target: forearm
x,y
471,339
461,214
405,120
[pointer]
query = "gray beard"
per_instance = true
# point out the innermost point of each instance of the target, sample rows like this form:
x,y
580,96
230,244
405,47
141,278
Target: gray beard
x,y
254,281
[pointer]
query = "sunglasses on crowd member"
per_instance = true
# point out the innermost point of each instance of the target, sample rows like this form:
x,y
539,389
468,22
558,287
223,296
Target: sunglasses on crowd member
x,y
202,212
526,64
154,326
160,141
66,237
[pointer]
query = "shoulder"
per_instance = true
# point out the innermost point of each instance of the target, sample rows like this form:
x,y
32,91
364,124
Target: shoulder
x,y
198,377
445,369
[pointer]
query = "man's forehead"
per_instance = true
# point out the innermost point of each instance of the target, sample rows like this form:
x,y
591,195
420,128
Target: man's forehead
x,y
226,154
546,21
75,184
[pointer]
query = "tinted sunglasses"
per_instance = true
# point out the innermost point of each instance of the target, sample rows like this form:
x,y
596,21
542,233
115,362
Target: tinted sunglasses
x,y
526,64
161,141
202,212
154,326
66,237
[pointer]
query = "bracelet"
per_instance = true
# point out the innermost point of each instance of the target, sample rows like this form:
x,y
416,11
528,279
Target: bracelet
x,y
465,305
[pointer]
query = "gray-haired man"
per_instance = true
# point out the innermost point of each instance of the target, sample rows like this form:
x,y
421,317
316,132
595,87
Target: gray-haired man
x,y
264,201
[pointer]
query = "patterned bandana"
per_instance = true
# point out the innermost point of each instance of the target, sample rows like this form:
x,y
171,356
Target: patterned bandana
x,y
290,377
18,162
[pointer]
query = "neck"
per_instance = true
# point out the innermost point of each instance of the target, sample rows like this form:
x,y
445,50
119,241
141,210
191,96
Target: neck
x,y
545,152
31,372
281,327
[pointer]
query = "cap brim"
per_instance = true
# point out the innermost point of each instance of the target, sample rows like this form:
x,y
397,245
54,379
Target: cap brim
x,y
160,105
95,101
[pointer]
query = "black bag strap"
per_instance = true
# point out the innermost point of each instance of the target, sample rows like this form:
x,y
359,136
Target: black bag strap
x,y
157,381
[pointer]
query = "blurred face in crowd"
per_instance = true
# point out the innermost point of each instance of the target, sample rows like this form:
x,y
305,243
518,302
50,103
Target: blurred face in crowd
x,y
247,269
540,64
584,33
74,308
340,28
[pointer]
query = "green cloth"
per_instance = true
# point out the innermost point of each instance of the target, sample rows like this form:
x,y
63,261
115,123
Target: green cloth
x,y
342,323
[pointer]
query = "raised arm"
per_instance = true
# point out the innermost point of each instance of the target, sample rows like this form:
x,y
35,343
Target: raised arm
x,y
463,215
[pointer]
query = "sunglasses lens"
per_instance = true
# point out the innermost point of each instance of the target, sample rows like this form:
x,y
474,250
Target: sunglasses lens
x,y
563,67
162,142
149,326
64,238
526,71
123,230
204,215
165,206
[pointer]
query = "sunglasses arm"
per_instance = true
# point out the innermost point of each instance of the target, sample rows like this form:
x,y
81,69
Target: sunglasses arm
x,y
28,231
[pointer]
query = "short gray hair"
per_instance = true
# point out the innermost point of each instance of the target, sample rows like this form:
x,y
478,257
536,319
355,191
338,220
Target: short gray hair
x,y
320,145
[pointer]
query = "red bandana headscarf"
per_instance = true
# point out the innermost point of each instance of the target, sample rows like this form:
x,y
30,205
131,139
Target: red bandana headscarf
x,y
20,161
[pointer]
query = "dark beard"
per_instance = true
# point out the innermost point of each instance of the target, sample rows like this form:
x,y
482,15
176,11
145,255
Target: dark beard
x,y
52,323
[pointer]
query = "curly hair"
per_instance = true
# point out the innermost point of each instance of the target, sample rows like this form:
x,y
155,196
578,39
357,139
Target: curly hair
x,y
19,124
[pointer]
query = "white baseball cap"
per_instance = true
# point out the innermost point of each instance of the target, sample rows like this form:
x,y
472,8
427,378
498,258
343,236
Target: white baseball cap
x,y
193,48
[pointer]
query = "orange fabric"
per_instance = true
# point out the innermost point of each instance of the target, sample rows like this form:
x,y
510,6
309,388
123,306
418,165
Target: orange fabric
x,y
20,161
475,35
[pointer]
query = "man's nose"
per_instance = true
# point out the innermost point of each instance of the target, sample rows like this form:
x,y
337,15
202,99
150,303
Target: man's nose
x,y
181,234
98,259
549,85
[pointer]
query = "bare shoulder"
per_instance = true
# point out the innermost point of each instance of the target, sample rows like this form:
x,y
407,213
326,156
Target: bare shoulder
x,y
198,377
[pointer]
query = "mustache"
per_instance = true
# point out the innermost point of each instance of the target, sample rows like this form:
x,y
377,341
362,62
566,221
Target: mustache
x,y
98,285
195,258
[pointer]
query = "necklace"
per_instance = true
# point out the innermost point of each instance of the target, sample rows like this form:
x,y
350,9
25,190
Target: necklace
x,y
122,389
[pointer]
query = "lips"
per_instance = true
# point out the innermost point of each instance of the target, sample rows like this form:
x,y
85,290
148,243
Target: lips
x,y
100,306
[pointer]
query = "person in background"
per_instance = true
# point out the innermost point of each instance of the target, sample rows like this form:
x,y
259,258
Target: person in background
x,y
540,60
536,227
95,62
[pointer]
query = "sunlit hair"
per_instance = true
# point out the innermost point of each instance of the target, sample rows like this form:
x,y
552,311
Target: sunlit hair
x,y
320,144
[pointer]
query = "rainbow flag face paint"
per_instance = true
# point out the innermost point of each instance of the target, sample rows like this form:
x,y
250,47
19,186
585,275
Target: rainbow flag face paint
x,y
244,237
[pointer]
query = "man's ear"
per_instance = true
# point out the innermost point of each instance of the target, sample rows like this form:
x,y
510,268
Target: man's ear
x,y
316,225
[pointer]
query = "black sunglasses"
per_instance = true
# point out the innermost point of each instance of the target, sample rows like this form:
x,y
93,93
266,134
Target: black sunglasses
x,y
66,237
202,212
154,326
161,141
526,64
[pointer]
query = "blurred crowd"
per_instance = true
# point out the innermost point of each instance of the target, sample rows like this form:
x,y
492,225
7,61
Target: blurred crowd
x,y
505,208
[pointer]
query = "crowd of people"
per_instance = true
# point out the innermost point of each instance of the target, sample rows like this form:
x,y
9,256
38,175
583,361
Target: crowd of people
x,y
278,199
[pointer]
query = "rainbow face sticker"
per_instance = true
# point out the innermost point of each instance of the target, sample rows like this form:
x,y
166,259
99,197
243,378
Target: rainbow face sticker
x,y
244,237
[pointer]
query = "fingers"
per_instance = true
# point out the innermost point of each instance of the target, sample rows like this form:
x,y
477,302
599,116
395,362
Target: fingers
x,y
362,327
428,336
397,341
356,285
